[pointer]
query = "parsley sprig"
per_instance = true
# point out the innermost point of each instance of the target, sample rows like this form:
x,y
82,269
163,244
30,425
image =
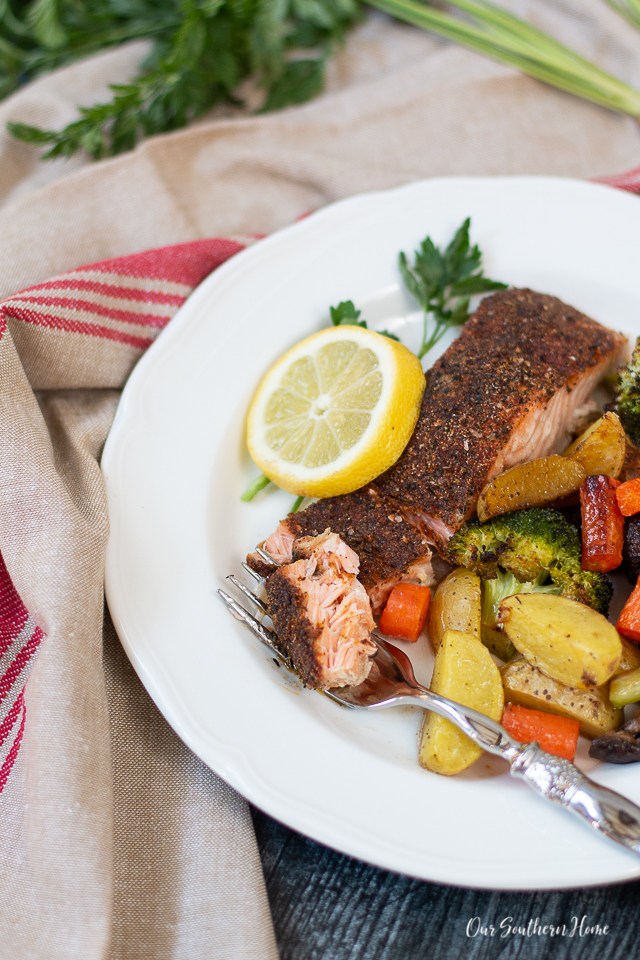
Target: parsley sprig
x,y
443,282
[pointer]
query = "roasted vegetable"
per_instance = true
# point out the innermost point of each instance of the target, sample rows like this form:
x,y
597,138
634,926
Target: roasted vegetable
x,y
567,640
629,620
496,590
529,543
630,658
530,687
620,747
455,605
536,483
405,611
625,688
631,548
555,734
628,497
463,671
627,399
601,448
602,525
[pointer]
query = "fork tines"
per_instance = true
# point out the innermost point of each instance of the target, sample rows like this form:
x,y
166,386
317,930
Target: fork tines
x,y
266,557
240,612
248,593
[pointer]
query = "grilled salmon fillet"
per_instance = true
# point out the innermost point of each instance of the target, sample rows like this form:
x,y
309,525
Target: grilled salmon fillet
x,y
507,390
321,613
389,547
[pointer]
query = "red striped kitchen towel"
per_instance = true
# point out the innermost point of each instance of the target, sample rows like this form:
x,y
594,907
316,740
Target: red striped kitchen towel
x,y
108,313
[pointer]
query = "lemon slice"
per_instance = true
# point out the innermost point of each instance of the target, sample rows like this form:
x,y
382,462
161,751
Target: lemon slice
x,y
335,411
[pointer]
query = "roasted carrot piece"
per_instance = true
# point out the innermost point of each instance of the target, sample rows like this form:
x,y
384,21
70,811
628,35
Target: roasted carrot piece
x,y
602,524
405,612
628,497
557,735
629,620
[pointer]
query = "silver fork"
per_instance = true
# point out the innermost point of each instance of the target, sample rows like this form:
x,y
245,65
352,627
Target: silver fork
x,y
391,682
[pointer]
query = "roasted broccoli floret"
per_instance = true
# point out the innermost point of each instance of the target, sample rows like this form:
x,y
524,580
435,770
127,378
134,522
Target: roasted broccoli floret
x,y
505,585
627,400
528,544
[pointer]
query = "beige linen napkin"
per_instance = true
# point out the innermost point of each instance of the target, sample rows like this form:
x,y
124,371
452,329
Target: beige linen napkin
x,y
117,842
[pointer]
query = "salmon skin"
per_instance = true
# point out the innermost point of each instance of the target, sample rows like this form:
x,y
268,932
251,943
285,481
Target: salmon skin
x,y
507,390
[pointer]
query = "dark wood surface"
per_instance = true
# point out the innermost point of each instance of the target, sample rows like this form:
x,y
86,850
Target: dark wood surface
x,y
327,906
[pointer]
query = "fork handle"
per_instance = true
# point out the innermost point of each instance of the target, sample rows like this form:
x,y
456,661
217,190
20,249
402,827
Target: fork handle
x,y
551,777
561,782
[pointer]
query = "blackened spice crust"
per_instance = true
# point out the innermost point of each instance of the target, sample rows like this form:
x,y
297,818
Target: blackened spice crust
x,y
296,634
386,543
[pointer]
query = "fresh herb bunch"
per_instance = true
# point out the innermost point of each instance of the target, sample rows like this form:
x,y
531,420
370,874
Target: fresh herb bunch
x,y
201,52
443,282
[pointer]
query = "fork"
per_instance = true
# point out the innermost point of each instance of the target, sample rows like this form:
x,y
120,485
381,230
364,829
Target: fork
x,y
391,682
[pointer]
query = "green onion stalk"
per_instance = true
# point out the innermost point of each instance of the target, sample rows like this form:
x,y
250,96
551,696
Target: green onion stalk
x,y
629,9
502,36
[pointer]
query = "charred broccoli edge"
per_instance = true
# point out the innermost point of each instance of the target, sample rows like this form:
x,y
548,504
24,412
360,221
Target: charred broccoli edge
x,y
627,399
528,543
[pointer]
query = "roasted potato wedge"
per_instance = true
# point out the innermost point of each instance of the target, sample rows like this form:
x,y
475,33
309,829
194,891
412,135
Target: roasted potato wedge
x,y
455,605
567,640
630,657
537,483
601,448
530,687
463,671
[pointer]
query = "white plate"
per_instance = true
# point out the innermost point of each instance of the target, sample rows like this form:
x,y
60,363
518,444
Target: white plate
x,y
175,465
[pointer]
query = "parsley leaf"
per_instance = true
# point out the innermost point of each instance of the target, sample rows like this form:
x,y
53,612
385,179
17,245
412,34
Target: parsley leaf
x,y
443,282
346,314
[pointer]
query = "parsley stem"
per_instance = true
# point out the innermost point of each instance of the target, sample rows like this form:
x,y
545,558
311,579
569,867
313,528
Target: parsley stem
x,y
297,503
255,487
428,342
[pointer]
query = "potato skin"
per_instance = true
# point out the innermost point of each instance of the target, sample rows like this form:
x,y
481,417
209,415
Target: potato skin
x,y
463,671
455,605
530,687
630,657
567,640
601,449
536,483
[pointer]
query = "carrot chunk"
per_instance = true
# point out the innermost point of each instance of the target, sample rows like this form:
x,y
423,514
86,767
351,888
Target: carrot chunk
x,y
628,497
556,735
405,612
602,524
629,620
